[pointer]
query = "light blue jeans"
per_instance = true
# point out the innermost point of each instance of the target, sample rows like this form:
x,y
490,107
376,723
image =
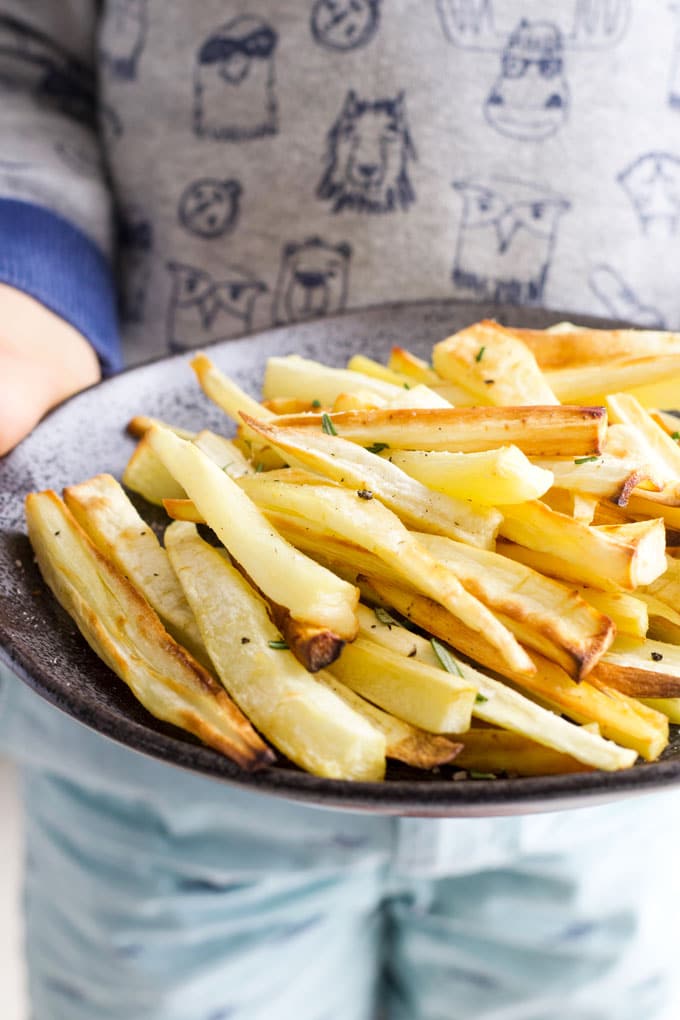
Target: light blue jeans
x,y
155,894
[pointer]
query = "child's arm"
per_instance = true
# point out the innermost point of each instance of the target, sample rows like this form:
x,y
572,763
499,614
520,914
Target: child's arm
x,y
43,360
58,325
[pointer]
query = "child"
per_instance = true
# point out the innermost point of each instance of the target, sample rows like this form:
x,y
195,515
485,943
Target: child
x,y
250,163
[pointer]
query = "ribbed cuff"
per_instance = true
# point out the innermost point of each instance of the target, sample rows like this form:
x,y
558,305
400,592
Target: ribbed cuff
x,y
44,255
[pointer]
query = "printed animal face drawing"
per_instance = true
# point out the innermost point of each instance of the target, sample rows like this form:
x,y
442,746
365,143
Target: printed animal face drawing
x,y
369,148
344,24
209,207
312,280
652,183
234,96
123,35
506,240
202,310
530,97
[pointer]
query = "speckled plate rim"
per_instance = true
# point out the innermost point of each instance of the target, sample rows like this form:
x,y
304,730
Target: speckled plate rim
x,y
415,325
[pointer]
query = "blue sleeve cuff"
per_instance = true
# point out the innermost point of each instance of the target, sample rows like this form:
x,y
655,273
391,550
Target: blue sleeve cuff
x,y
47,257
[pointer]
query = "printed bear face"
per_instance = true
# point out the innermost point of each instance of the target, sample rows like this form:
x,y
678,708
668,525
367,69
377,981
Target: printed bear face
x,y
312,280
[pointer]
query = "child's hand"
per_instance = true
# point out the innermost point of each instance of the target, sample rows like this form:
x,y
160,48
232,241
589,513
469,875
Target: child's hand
x,y
43,360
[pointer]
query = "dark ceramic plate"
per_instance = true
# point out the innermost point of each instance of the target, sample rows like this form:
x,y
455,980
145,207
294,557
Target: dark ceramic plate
x,y
87,435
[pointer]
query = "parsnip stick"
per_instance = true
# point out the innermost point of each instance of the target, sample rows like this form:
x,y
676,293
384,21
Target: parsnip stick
x,y
302,718
621,719
648,669
545,614
622,556
146,474
354,467
420,694
120,626
403,742
499,704
105,513
310,593
591,383
293,376
415,369
537,431
607,477
626,611
491,477
495,751
494,364
372,526
578,345
662,451
141,423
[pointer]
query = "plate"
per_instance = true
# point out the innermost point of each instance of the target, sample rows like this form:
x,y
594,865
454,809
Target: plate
x,y
86,435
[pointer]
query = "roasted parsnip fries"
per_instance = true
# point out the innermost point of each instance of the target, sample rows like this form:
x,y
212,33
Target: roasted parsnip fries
x,y
502,514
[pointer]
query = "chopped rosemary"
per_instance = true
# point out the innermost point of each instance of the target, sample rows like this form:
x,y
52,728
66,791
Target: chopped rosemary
x,y
675,436
448,661
480,699
327,425
383,616
378,447
480,354
585,460
280,645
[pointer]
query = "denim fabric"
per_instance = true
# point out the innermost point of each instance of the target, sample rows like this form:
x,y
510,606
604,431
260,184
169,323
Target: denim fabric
x,y
155,894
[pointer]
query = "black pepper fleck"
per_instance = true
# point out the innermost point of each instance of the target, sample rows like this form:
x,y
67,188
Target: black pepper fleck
x,y
657,656
364,494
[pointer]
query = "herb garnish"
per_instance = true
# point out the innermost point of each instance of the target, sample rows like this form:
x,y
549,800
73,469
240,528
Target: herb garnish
x,y
383,616
279,645
480,354
447,660
327,425
378,447
585,460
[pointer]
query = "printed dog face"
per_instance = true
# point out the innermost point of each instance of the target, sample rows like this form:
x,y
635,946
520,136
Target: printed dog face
x,y
369,148
312,280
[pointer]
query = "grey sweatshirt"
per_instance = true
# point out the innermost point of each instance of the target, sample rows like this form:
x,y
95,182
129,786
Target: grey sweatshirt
x,y
241,163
